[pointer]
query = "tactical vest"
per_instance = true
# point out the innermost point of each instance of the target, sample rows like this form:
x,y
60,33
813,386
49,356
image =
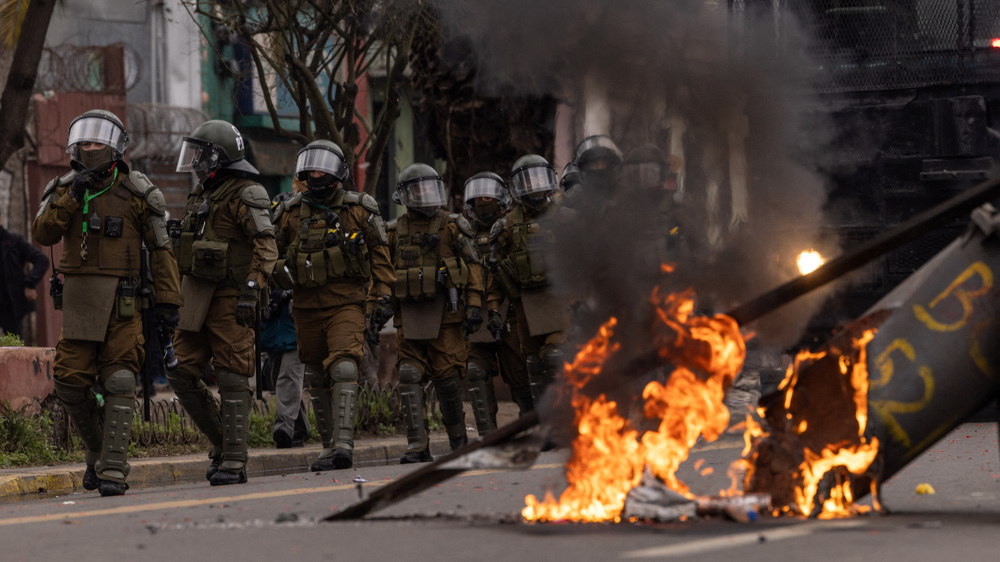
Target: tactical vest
x,y
525,260
203,249
322,251
113,241
419,264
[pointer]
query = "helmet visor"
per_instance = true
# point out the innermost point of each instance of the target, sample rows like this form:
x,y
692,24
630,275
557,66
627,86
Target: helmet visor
x,y
533,179
424,192
195,156
596,147
97,129
486,187
642,175
321,159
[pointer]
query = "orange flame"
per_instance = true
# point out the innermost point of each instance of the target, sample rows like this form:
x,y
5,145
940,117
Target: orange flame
x,y
609,455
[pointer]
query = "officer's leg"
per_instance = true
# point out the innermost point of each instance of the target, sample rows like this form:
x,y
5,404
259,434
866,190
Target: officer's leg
x,y
552,361
447,355
321,394
513,368
286,384
234,391
119,404
193,354
81,405
411,394
338,450
480,383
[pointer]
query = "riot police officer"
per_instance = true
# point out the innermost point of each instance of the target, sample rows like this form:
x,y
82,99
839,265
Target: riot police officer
x,y
486,201
522,278
597,157
570,177
225,249
334,242
104,213
437,298
646,176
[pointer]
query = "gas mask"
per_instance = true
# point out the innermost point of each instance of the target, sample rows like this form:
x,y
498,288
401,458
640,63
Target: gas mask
x,y
536,201
426,211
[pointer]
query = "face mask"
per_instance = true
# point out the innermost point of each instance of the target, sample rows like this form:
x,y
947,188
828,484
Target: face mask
x,y
426,211
96,160
603,180
536,202
487,211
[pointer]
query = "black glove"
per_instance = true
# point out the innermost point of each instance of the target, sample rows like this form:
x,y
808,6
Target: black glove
x,y
246,306
167,317
495,324
473,320
79,187
382,312
372,333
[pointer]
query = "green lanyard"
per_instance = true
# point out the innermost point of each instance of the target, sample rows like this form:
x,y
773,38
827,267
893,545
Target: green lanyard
x,y
87,198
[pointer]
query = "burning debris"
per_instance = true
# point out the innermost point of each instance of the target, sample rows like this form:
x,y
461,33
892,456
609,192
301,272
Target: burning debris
x,y
610,453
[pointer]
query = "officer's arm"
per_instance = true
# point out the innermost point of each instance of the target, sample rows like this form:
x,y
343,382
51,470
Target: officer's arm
x,y
253,210
54,214
383,274
377,239
39,263
465,247
162,264
494,289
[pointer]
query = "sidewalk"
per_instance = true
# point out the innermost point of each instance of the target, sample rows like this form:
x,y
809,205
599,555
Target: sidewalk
x,y
21,483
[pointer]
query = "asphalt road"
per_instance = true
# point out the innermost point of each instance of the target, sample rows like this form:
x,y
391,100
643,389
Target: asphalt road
x,y
476,517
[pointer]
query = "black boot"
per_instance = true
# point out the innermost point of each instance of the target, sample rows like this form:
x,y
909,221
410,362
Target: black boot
x,y
111,488
224,478
90,479
339,459
411,457
213,467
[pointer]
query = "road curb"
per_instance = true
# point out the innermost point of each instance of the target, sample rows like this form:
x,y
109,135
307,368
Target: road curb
x,y
165,471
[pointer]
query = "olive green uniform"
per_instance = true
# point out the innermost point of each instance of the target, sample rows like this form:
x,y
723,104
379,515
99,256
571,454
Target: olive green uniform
x,y
521,275
488,356
335,250
435,261
224,240
105,258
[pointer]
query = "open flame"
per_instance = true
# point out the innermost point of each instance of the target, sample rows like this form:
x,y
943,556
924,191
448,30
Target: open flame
x,y
809,261
609,455
852,453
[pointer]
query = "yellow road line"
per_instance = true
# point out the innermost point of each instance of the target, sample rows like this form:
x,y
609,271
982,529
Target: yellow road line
x,y
209,501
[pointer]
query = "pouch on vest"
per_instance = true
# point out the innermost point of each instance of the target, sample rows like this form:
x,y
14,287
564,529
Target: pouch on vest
x,y
335,262
209,260
125,303
184,251
458,275
282,275
310,269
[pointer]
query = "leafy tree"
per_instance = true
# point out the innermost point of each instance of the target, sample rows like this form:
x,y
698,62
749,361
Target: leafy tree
x,y
315,52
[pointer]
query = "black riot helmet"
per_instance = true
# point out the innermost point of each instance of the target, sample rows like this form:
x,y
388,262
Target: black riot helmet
x,y
486,197
215,145
321,156
96,126
598,159
421,189
570,177
644,167
533,181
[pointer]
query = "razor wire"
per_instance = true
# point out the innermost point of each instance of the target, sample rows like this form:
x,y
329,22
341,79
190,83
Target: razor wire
x,y
156,130
80,68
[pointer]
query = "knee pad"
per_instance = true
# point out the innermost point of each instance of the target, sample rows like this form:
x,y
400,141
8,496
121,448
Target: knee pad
x,y
552,358
230,381
344,371
476,372
410,374
533,364
120,382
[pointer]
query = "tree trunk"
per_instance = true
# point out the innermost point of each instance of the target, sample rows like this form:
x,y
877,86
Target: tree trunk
x,y
21,78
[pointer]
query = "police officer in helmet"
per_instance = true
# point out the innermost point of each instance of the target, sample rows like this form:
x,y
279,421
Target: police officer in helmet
x,y
104,214
225,250
334,243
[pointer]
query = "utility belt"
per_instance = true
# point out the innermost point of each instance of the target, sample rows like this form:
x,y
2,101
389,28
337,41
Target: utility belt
x,y
421,283
349,260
